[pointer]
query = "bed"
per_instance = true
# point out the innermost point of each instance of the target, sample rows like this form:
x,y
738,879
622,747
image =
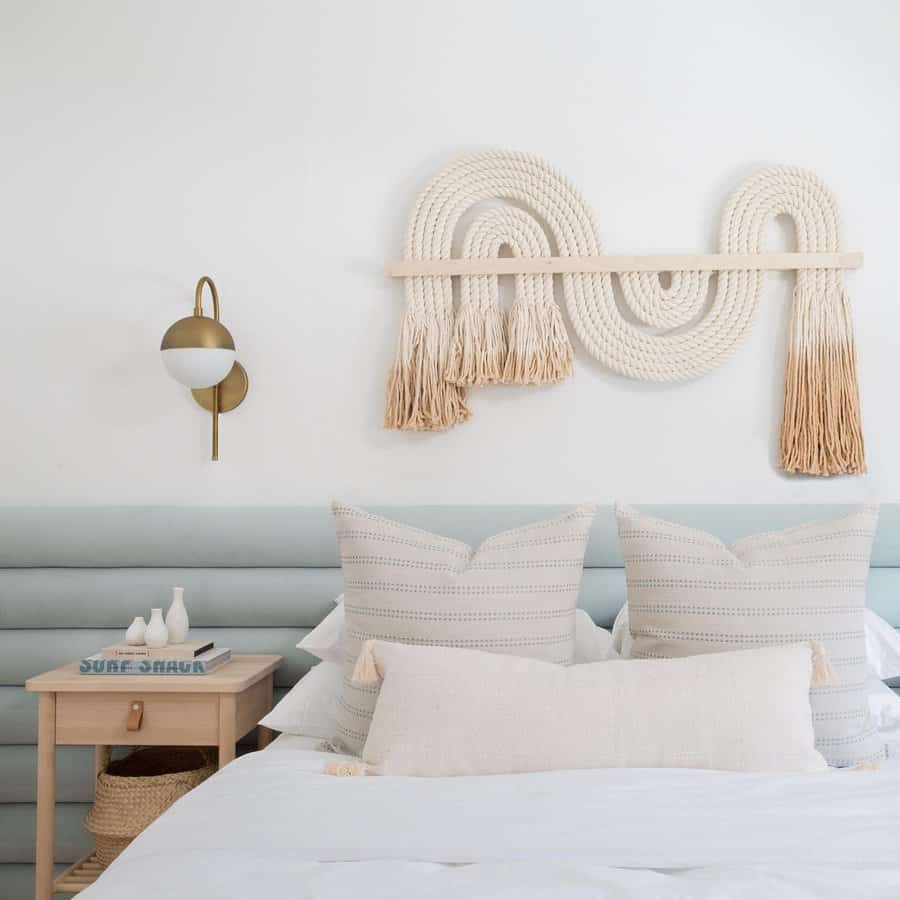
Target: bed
x,y
272,824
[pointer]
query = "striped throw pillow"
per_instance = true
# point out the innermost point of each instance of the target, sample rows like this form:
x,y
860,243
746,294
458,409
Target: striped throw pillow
x,y
688,593
515,594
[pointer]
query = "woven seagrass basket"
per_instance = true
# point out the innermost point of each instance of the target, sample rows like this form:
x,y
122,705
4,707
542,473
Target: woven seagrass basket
x,y
131,793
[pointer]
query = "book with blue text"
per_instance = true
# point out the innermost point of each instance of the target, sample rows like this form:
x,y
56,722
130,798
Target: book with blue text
x,y
200,665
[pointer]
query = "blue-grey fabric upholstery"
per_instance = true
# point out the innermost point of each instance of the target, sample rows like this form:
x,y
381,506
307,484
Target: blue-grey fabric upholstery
x,y
256,580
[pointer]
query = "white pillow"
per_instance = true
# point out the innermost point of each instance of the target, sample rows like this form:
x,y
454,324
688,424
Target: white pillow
x,y
310,706
326,640
447,711
882,647
884,705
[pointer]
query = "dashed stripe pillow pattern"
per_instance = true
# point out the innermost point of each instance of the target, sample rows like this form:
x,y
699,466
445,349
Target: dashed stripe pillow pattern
x,y
515,594
689,593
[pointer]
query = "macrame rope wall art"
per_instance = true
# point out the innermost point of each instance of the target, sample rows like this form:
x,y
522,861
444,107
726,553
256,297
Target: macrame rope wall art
x,y
443,349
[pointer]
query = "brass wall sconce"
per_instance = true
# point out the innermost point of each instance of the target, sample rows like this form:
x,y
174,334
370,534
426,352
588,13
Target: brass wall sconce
x,y
199,352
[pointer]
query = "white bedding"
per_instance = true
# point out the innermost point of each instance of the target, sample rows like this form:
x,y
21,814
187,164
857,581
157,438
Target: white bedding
x,y
271,825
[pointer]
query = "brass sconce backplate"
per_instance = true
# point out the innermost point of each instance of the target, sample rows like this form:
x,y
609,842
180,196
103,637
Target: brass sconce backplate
x,y
232,390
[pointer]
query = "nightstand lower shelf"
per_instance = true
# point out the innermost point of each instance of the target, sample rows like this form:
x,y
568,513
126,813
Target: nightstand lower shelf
x,y
79,875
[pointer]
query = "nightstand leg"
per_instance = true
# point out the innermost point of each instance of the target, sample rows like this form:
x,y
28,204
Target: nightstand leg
x,y
227,728
46,796
263,734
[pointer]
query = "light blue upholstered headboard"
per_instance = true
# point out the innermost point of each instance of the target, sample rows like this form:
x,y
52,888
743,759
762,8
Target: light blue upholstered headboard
x,y
256,580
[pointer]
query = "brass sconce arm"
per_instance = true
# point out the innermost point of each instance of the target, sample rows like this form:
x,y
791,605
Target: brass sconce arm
x,y
198,297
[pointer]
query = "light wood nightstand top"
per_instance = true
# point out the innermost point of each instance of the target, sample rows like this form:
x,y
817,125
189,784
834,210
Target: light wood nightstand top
x,y
235,676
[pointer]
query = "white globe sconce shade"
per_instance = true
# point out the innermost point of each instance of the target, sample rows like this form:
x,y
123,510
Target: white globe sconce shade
x,y
198,367
198,352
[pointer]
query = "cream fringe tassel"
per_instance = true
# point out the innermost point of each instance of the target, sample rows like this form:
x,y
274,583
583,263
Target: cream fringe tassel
x,y
366,671
539,348
821,429
823,675
871,766
348,769
478,351
418,397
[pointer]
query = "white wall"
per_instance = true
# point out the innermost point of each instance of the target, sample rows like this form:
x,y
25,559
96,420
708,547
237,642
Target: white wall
x,y
279,147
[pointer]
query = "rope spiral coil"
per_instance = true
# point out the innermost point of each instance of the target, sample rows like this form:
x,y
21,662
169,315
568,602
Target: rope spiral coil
x,y
439,352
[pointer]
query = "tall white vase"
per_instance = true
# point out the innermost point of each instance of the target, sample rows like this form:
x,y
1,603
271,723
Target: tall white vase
x,y
177,618
156,635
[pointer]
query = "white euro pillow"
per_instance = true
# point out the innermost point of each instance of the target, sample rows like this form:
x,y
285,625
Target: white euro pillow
x,y
446,711
882,647
326,640
309,708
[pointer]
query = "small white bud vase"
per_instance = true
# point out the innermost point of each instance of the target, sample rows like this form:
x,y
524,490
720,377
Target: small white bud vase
x,y
156,634
177,618
135,634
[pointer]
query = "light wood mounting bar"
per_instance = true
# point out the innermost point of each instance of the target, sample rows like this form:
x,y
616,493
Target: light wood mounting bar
x,y
557,265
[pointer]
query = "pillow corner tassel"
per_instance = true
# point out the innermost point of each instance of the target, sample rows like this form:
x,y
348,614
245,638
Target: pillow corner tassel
x,y
366,671
823,675
821,428
352,769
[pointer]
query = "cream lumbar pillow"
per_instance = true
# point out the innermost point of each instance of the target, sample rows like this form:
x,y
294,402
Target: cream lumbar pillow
x,y
515,594
444,711
690,593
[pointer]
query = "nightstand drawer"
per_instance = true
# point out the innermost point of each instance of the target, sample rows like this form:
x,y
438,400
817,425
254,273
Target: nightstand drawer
x,y
93,718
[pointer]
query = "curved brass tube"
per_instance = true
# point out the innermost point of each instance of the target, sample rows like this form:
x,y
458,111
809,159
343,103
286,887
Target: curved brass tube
x,y
198,294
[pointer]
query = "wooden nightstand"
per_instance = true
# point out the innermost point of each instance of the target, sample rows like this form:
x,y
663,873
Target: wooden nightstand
x,y
120,710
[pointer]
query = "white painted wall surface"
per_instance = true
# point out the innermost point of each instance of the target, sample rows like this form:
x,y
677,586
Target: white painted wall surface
x,y
278,147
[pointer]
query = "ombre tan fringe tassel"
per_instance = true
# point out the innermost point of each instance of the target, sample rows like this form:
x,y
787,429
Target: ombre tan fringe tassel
x,y
539,347
478,350
821,429
418,397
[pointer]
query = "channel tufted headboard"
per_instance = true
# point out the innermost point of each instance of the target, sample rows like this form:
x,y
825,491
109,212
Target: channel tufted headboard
x,y
256,579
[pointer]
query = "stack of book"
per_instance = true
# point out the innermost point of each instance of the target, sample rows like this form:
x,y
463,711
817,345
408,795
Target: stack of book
x,y
189,658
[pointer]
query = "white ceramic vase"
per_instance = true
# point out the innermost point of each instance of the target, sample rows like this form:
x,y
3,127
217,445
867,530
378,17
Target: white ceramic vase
x,y
135,634
156,634
177,618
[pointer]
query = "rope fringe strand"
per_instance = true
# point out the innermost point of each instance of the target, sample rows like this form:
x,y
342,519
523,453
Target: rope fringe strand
x,y
821,427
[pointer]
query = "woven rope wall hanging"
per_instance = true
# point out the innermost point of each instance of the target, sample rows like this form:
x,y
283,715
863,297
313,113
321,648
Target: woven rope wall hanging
x,y
677,333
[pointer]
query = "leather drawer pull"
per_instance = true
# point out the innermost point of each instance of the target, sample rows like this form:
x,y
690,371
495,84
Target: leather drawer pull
x,y
135,715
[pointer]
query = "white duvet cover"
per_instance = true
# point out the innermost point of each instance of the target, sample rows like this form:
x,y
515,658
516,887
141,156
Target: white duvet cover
x,y
270,825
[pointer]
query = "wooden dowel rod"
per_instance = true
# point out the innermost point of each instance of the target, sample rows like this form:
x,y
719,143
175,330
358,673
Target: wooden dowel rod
x,y
555,265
